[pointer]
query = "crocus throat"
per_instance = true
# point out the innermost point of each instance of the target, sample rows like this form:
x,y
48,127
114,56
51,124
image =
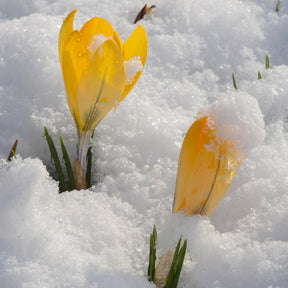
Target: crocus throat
x,y
97,41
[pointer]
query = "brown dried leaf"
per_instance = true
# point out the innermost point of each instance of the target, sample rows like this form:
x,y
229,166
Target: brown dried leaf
x,y
163,269
145,10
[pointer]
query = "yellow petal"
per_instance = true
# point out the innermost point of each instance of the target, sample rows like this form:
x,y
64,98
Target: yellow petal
x,y
117,38
135,45
66,29
101,87
75,62
96,26
191,145
203,175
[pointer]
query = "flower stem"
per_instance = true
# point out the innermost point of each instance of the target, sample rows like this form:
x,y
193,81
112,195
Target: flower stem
x,y
82,150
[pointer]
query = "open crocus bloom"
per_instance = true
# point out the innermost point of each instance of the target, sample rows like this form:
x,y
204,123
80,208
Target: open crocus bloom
x,y
207,165
99,70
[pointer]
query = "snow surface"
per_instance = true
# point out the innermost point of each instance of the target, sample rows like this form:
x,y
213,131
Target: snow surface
x,y
237,118
100,237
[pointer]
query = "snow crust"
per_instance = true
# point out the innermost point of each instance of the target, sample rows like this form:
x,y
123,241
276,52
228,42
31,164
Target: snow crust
x,y
100,237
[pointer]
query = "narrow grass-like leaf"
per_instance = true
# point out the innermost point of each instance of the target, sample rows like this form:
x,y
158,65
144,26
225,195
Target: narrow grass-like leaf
x,y
93,132
89,162
13,151
176,266
180,261
89,167
67,164
152,255
277,6
62,185
151,266
172,271
234,81
267,64
259,75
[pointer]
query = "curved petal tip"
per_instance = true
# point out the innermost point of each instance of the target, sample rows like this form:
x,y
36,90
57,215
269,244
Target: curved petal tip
x,y
66,29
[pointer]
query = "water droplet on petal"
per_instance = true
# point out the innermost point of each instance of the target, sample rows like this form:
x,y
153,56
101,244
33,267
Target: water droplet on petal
x,y
78,39
80,54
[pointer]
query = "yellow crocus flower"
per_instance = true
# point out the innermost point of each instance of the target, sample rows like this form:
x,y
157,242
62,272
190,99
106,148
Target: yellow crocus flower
x,y
207,165
99,70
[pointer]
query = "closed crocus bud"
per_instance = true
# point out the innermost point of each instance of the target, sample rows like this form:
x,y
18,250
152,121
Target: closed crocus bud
x,y
206,169
213,150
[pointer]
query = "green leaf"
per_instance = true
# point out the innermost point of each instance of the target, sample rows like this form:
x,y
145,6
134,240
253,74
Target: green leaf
x,y
62,185
277,6
259,75
234,81
13,151
180,261
267,64
176,266
89,167
152,255
89,162
172,271
67,164
93,132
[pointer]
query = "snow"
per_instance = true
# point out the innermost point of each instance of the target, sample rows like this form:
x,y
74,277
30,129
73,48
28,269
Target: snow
x,y
132,66
100,237
238,118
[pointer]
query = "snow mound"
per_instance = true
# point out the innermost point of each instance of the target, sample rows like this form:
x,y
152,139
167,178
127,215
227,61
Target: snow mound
x,y
239,119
